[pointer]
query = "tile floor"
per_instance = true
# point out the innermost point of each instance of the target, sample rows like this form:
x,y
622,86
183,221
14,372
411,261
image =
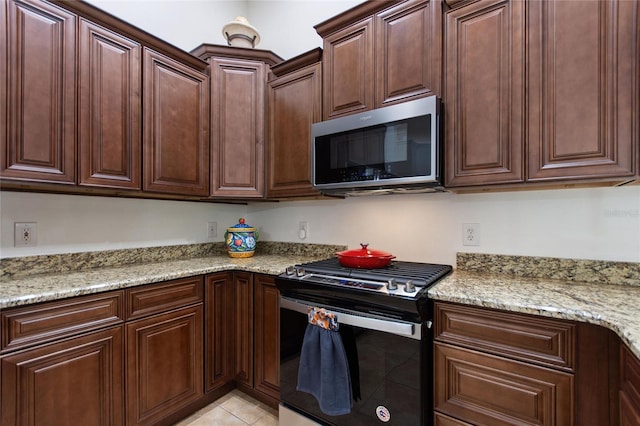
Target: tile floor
x,y
234,409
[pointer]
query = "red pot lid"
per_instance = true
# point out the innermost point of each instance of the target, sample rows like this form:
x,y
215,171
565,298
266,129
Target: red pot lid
x,y
365,252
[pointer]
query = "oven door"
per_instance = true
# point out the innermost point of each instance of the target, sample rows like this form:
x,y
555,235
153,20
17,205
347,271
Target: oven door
x,y
392,359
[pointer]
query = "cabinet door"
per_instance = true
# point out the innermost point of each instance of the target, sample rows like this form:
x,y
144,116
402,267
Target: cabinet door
x,y
176,123
583,89
294,104
39,47
490,390
267,342
408,52
110,107
237,127
164,364
243,328
74,382
484,92
348,73
218,369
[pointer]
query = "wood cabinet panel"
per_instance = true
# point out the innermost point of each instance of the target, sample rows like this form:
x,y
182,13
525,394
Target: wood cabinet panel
x,y
237,127
39,137
540,340
583,89
407,55
485,389
442,420
76,381
484,93
243,328
164,370
219,292
41,323
629,387
267,342
110,107
156,298
348,80
294,104
176,126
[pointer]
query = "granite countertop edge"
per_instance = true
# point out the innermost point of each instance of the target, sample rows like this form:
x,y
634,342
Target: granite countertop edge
x,y
50,287
611,306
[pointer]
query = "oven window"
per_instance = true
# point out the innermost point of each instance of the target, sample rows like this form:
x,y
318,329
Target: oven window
x,y
389,375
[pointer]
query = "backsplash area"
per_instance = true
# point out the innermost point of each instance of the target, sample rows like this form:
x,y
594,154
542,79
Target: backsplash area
x,y
592,271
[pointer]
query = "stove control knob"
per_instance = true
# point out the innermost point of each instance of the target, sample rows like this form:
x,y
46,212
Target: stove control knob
x,y
391,284
290,270
300,271
409,287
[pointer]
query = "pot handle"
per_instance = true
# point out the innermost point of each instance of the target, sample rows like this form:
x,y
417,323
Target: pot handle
x,y
364,245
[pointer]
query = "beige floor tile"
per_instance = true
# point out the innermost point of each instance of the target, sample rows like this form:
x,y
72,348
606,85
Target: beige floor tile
x,y
246,409
218,417
267,420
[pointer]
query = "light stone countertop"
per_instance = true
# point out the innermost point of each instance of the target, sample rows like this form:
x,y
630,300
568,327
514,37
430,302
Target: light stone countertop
x,y
616,307
46,287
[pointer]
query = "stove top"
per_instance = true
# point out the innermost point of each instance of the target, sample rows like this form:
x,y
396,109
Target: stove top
x,y
399,289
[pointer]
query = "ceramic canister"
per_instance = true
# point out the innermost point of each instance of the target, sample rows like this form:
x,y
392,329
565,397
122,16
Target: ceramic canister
x,y
241,239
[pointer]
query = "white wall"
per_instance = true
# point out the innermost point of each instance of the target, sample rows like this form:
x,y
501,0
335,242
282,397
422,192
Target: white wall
x,y
600,223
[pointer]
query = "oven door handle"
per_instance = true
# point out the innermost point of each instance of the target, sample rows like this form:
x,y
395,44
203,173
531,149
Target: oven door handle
x,y
401,328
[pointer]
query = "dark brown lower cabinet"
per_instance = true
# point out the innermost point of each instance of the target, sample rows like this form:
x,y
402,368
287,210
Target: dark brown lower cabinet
x,y
164,364
77,381
494,367
629,388
218,355
257,326
266,336
491,390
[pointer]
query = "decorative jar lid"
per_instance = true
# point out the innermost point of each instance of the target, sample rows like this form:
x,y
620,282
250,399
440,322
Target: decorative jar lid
x,y
241,226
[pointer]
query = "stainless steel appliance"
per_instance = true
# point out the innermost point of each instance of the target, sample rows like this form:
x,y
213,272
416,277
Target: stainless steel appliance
x,y
385,316
391,149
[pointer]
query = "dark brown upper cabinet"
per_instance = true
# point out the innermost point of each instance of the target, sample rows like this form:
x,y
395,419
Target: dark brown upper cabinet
x,y
484,93
584,113
294,103
176,126
238,87
541,92
380,53
110,76
38,74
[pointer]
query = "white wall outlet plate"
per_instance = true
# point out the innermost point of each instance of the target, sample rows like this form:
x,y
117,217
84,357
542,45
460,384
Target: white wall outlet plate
x,y
25,234
470,234
212,229
303,230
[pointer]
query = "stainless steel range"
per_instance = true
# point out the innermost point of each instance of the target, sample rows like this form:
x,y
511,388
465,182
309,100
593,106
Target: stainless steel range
x,y
384,318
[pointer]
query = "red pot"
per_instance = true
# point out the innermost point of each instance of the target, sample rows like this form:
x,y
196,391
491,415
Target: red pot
x,y
364,258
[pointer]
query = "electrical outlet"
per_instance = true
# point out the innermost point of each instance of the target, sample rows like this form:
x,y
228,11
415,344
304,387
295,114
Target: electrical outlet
x,y
212,229
470,234
26,234
303,230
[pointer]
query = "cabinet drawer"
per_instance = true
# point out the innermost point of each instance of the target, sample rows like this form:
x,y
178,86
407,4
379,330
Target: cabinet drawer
x,y
529,338
630,375
49,321
491,390
155,298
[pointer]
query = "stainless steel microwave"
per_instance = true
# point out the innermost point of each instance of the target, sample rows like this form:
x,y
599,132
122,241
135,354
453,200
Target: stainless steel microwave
x,y
386,150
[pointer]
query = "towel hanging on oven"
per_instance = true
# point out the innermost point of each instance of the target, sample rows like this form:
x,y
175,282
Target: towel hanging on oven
x,y
324,369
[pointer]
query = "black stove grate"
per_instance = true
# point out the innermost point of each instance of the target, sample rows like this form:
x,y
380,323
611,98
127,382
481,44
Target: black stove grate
x,y
422,274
